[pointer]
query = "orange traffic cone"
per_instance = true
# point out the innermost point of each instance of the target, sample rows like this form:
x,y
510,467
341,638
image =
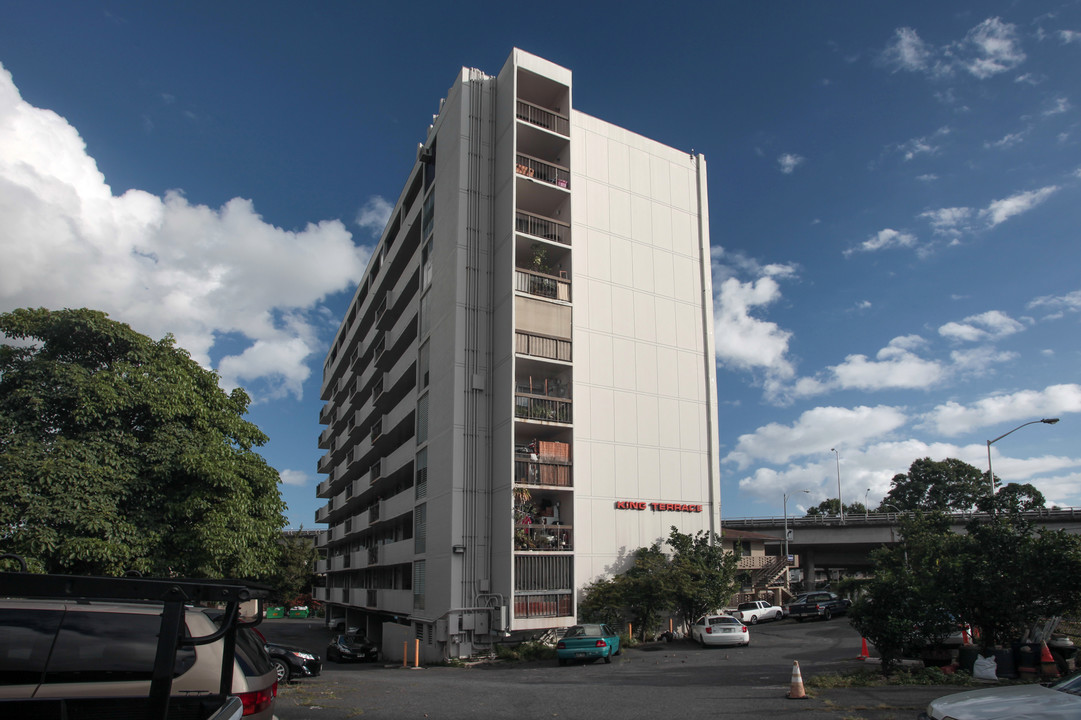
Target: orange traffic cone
x,y
964,635
796,691
1048,666
863,650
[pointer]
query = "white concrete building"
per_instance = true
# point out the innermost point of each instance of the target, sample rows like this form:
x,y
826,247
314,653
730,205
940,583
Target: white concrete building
x,y
523,390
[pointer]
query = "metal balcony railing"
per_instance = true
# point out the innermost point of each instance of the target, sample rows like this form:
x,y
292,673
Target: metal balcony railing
x,y
547,172
542,347
542,227
541,117
527,472
542,285
542,605
535,537
532,407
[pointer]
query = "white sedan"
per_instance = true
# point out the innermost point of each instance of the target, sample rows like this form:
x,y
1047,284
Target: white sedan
x,y
1060,701
720,630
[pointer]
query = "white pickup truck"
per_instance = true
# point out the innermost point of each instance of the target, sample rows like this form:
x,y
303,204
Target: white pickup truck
x,y
756,611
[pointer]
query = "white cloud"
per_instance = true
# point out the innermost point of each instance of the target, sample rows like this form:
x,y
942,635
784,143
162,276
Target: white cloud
x,y
988,49
990,325
1002,210
789,162
948,221
926,145
978,361
907,52
1070,302
928,177
297,478
994,48
1059,106
894,366
1069,36
952,418
742,340
160,264
814,432
885,239
374,215
1006,141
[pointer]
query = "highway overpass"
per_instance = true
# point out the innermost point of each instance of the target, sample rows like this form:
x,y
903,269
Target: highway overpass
x,y
828,542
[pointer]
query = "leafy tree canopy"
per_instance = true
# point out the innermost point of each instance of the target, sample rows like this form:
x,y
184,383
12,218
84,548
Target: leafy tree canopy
x,y
946,485
120,453
830,507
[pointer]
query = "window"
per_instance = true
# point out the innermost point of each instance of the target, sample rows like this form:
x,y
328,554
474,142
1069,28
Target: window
x,y
422,473
427,215
422,366
420,528
418,584
425,320
422,419
426,264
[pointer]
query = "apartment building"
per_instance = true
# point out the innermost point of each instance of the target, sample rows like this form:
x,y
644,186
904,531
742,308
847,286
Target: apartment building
x,y
523,390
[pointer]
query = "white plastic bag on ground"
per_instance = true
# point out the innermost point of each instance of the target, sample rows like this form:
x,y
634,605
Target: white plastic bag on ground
x,y
984,669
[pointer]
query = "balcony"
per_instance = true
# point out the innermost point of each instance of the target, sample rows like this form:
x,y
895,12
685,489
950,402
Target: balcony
x,y
531,167
326,415
542,605
542,118
321,514
396,553
527,472
545,409
542,227
534,537
541,346
541,285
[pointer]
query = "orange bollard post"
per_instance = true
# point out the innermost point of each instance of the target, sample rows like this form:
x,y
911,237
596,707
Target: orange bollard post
x,y
405,654
416,653
796,691
630,631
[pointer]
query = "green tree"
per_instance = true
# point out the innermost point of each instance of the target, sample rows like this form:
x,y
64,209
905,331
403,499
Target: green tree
x,y
902,608
703,575
947,485
294,573
829,507
120,453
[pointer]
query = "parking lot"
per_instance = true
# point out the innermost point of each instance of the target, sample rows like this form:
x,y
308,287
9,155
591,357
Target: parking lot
x,y
677,679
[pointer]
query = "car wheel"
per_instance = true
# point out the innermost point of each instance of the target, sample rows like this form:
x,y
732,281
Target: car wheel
x,y
779,615
619,650
332,656
702,641
754,619
562,661
608,657
799,619
281,670
826,615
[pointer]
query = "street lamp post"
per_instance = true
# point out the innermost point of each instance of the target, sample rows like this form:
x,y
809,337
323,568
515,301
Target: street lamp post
x,y
786,534
865,503
840,502
990,471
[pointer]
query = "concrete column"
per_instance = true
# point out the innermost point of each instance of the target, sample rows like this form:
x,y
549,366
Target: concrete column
x,y
807,558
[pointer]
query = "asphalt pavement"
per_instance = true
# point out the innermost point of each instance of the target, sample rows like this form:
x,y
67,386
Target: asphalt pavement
x,y
658,680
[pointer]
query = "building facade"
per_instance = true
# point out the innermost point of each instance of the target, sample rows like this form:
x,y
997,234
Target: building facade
x,y
523,390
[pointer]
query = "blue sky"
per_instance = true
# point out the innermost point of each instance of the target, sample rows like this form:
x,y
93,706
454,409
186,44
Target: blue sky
x,y
894,203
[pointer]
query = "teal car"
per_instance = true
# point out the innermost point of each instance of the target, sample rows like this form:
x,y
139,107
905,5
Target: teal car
x,y
588,642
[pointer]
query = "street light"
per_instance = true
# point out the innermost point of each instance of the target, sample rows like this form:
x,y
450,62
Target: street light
x,y
865,503
840,502
991,472
786,533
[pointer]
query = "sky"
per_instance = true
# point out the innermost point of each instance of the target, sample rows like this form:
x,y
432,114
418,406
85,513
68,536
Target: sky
x,y
894,203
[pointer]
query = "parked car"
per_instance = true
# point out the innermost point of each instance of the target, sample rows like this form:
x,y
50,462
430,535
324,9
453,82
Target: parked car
x,y
819,604
720,630
352,647
80,649
1059,701
757,610
290,662
588,642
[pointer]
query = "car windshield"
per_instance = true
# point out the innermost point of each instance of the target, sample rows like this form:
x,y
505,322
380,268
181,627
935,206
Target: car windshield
x,y
584,631
354,639
1069,684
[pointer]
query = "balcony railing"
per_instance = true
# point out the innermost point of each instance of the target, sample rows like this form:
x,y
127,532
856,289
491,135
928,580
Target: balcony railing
x,y
536,537
542,605
537,169
536,115
541,285
542,347
542,227
532,407
527,472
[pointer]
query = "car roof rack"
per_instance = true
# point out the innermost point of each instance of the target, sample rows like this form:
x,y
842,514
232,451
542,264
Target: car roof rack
x,y
173,593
